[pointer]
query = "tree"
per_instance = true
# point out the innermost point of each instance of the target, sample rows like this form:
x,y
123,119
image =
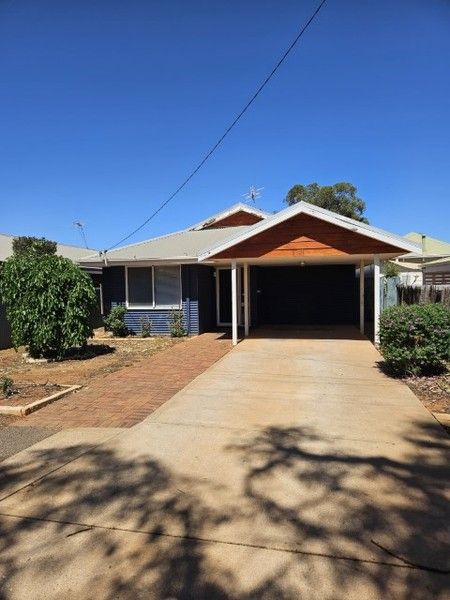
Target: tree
x,y
48,302
340,198
25,244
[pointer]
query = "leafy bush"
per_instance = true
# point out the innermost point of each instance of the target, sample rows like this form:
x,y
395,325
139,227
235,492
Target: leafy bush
x,y
7,386
177,328
115,321
48,303
391,269
415,339
146,327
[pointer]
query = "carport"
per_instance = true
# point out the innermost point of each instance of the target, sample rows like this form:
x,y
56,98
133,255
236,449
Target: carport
x,y
301,266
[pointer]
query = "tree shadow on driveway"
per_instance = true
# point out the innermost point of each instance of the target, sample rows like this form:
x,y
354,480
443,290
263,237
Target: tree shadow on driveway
x,y
340,522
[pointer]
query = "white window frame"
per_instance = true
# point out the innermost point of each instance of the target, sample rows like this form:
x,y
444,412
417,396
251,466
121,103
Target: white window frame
x,y
152,305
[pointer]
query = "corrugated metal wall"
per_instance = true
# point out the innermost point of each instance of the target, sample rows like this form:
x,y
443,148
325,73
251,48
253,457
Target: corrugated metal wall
x,y
114,294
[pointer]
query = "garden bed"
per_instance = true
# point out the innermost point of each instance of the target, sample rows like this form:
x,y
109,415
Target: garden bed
x,y
433,391
25,398
98,359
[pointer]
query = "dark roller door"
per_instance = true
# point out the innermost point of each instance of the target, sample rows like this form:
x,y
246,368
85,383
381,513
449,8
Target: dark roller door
x,y
310,295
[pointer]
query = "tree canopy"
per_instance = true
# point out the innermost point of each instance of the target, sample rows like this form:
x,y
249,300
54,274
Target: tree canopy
x,y
24,244
49,301
340,198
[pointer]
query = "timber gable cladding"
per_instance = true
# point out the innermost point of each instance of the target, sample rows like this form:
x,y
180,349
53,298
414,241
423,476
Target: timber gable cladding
x,y
304,235
234,220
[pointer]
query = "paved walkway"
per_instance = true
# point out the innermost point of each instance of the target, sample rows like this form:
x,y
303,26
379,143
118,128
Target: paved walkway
x,y
127,396
292,468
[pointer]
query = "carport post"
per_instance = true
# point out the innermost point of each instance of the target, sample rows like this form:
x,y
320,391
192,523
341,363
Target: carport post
x,y
234,312
376,298
246,303
361,296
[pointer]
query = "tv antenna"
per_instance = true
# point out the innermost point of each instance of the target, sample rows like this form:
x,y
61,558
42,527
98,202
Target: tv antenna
x,y
253,194
80,226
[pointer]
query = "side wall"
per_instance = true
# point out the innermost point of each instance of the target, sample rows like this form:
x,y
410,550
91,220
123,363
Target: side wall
x,y
195,284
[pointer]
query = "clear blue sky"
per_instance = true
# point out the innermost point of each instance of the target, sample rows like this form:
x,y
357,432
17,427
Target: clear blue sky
x,y
106,105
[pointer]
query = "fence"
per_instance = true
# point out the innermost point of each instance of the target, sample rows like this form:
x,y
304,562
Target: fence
x,y
393,292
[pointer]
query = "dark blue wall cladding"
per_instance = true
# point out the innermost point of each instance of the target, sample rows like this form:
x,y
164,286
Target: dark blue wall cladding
x,y
114,294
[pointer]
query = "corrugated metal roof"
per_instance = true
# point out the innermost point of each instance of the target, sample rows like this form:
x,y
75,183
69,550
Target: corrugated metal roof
x,y
75,253
431,245
181,245
440,261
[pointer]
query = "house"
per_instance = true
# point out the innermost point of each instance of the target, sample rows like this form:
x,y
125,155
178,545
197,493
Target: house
x,y
430,267
75,253
244,267
437,272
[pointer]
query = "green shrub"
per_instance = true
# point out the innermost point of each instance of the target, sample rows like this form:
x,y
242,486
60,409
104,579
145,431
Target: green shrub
x,y
48,300
415,339
177,328
391,269
7,386
115,321
146,327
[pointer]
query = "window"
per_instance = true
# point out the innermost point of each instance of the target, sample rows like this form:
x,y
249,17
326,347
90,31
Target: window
x,y
140,286
153,287
167,286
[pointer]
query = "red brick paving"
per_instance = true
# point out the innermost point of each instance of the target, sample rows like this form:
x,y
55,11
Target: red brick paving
x,y
126,397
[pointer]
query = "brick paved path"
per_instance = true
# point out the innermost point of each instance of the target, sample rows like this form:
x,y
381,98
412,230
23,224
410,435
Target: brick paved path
x,y
126,397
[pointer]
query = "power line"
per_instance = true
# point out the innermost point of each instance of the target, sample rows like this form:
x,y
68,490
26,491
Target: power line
x,y
228,129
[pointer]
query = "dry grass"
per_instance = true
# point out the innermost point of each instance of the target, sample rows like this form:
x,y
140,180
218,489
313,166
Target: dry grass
x,y
104,357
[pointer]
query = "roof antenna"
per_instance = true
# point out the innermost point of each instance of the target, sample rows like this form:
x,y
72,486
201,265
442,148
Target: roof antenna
x,y
253,194
80,226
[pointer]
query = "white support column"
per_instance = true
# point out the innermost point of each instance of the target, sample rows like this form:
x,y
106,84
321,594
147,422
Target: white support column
x,y
246,302
234,308
361,296
376,298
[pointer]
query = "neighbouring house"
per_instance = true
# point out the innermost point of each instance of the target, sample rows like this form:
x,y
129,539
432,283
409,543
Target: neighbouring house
x,y
75,253
429,267
437,272
244,267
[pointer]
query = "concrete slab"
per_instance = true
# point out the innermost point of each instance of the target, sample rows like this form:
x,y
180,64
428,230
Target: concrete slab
x,y
247,484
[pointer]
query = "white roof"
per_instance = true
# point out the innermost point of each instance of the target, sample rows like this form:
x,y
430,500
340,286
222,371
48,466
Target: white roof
x,y
320,213
185,245
75,253
197,244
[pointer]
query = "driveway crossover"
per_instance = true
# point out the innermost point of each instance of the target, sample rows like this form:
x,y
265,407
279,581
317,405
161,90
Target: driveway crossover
x,y
292,468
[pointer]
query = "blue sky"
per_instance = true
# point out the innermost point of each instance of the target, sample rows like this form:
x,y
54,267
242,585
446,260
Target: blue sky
x,y
106,105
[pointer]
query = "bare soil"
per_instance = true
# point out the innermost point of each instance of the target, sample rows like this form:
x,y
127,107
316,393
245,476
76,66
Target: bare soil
x,y
434,391
27,393
102,356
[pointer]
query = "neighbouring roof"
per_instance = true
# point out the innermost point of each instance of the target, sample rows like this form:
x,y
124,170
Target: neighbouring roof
x,y
430,246
314,211
75,253
440,261
199,243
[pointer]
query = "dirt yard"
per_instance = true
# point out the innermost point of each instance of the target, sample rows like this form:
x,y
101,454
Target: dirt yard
x,y
434,391
105,356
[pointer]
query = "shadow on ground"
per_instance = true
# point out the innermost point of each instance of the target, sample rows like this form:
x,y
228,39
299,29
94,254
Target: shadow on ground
x,y
163,548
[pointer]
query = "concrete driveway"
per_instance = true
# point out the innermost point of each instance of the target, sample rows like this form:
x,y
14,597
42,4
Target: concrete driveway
x,y
290,469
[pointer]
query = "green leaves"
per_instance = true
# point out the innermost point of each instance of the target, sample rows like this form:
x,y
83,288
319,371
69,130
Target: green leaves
x,y
340,198
115,321
48,302
415,339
